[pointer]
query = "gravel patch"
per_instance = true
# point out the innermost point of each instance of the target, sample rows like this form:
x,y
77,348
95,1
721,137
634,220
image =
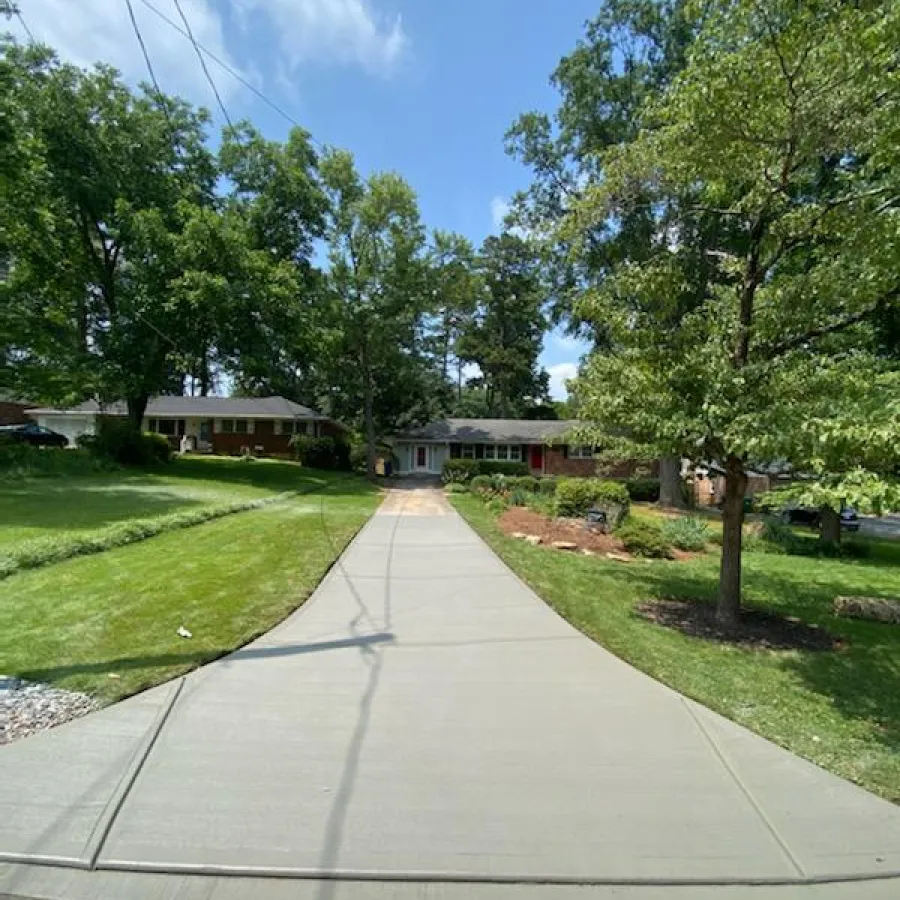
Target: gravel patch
x,y
26,707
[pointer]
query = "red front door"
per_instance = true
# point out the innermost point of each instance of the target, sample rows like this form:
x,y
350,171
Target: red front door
x,y
536,461
421,457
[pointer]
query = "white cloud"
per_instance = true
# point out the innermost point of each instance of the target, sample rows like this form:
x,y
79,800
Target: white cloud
x,y
92,31
499,211
569,344
349,32
559,375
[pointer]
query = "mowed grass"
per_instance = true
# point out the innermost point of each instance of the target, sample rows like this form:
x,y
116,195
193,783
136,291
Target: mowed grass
x,y
840,709
38,510
107,624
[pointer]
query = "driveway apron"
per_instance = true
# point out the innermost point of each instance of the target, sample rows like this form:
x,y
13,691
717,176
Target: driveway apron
x,y
426,717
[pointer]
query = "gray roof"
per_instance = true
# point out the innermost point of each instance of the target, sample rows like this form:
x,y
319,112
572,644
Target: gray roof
x,y
490,431
171,406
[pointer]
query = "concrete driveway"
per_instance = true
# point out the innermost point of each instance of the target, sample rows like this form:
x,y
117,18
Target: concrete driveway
x,y
426,726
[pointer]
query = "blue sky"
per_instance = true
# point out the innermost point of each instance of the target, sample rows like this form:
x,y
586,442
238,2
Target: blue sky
x,y
426,88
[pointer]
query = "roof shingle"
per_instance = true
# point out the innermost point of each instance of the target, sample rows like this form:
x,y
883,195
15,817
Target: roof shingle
x,y
477,431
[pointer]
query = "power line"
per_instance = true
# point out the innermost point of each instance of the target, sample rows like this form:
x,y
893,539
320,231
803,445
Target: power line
x,y
209,77
140,38
21,19
229,69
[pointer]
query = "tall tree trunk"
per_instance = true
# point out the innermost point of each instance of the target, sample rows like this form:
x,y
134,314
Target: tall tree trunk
x,y
204,375
670,493
729,601
831,525
137,406
370,426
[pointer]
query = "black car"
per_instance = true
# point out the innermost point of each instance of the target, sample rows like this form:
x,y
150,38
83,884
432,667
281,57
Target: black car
x,y
807,515
36,435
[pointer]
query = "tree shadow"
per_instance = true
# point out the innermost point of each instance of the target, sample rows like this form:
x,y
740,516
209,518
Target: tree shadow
x,y
861,679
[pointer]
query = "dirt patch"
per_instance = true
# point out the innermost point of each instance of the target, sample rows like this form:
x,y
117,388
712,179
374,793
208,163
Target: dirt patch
x,y
757,630
520,520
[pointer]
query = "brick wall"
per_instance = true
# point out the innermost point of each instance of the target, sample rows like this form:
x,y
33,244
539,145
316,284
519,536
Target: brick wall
x,y
558,464
231,444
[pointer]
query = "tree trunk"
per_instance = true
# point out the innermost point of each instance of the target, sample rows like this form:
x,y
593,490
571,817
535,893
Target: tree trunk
x,y
369,422
137,406
831,525
729,601
670,493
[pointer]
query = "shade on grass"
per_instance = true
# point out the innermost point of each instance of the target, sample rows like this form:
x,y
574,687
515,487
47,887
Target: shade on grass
x,y
107,624
33,510
840,709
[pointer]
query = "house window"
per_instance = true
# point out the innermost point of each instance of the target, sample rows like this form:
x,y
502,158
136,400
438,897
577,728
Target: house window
x,y
234,426
515,452
468,451
170,427
151,425
581,451
503,452
287,426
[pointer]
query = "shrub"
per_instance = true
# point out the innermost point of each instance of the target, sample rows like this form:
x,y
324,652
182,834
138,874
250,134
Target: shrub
x,y
497,505
546,485
644,489
688,533
501,467
575,496
526,483
459,471
358,458
455,488
119,441
321,452
19,460
519,496
643,538
481,485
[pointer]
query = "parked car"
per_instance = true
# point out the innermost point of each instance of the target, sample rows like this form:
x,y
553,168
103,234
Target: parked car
x,y
36,435
812,517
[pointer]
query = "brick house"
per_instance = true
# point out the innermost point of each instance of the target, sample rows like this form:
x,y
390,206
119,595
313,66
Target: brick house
x,y
224,425
541,444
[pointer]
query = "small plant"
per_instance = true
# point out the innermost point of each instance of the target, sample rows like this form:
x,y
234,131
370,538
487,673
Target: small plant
x,y
482,485
519,496
459,471
497,505
687,533
546,486
643,539
455,488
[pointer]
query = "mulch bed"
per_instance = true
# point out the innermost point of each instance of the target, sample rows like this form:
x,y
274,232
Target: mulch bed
x,y
757,630
519,519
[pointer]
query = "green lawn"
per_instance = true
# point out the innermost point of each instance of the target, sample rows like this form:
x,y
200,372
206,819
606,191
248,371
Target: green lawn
x,y
106,624
38,508
840,709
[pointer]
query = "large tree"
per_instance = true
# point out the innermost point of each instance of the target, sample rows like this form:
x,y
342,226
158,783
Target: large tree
x,y
106,180
630,50
782,129
505,334
377,294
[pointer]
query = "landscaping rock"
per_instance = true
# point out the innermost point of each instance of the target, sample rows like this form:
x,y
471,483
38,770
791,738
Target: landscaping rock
x,y
27,708
619,557
564,545
873,609
518,534
588,553
532,539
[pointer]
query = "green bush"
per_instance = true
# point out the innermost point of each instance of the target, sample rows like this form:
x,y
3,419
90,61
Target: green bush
x,y
526,483
643,489
455,488
519,496
501,467
119,441
643,538
459,471
547,485
497,505
687,533
575,496
482,485
321,452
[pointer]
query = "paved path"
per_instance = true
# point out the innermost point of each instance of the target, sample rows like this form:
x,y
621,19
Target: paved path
x,y
426,726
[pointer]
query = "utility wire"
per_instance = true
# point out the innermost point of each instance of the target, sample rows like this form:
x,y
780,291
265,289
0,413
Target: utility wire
x,y
21,18
200,56
140,39
229,69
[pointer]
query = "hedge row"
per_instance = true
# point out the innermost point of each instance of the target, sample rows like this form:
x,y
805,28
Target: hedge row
x,y
462,471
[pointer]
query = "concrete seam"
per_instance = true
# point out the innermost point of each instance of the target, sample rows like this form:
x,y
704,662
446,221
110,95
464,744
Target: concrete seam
x,y
131,778
438,877
770,826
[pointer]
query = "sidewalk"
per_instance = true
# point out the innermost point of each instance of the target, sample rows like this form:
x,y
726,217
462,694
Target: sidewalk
x,y
426,720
